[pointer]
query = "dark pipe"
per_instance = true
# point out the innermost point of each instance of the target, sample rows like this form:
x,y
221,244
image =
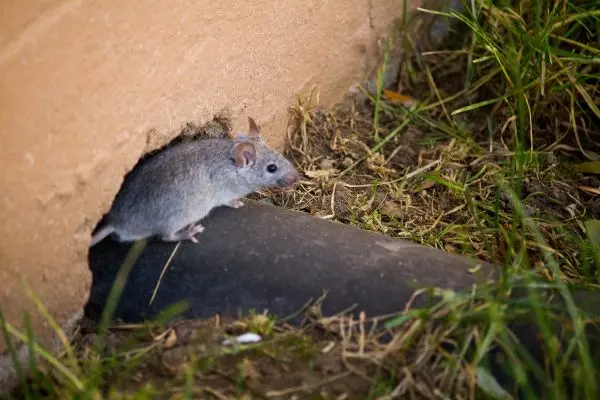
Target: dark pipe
x,y
266,257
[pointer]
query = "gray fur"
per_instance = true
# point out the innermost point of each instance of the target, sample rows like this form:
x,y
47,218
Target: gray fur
x,y
178,187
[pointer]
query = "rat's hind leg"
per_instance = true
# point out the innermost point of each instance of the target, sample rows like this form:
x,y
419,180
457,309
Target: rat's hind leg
x,y
186,233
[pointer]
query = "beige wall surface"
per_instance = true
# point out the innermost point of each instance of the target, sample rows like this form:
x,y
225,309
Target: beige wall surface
x,y
86,87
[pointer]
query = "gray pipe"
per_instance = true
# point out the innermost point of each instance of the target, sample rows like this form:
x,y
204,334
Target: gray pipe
x,y
266,257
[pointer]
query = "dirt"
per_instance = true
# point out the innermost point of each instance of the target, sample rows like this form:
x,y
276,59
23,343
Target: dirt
x,y
310,363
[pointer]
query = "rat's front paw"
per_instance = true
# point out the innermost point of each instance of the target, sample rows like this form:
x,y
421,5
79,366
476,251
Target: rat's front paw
x,y
236,203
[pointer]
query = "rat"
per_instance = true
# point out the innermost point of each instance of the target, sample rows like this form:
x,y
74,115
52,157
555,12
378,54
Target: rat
x,y
169,194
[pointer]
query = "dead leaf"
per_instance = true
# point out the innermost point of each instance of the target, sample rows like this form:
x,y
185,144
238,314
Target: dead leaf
x,y
589,189
320,173
400,98
171,339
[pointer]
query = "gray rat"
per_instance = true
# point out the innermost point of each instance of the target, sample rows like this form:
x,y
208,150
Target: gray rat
x,y
172,191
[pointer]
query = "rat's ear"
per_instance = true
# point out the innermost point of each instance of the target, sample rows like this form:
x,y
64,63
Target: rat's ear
x,y
253,130
244,153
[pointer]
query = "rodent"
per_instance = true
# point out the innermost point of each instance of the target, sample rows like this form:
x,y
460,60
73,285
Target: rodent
x,y
170,193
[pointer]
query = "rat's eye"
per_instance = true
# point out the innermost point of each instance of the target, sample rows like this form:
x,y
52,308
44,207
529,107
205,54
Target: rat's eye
x,y
271,168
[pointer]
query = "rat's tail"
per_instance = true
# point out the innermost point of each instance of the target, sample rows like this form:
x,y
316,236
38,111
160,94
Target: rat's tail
x,y
101,234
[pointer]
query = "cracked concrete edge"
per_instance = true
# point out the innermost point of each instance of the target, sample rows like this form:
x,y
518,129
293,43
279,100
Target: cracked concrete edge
x,y
9,377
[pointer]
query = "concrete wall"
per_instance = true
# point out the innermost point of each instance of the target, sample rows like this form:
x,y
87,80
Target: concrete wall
x,y
86,87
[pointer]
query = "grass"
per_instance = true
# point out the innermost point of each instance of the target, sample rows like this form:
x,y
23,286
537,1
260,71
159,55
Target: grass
x,y
488,147
468,144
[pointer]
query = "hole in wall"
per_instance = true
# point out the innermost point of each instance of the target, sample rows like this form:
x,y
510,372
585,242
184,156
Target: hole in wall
x,y
107,257
219,127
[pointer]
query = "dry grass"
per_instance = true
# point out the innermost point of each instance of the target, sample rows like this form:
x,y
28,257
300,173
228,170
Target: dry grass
x,y
433,188
437,174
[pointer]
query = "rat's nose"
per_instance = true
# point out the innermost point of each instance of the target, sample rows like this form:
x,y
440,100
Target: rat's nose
x,y
289,179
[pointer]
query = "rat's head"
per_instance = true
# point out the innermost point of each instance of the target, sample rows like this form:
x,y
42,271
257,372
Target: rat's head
x,y
261,165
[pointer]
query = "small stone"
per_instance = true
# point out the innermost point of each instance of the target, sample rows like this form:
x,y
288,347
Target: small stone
x,y
245,338
326,163
347,162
